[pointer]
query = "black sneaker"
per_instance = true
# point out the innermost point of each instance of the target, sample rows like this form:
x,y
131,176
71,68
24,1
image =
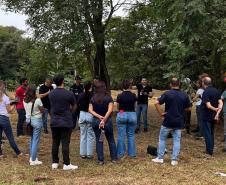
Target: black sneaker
x,y
145,129
137,130
195,130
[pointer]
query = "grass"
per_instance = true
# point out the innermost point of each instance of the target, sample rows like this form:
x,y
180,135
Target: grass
x,y
193,167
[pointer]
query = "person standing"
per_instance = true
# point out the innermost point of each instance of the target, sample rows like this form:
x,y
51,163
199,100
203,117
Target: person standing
x,y
87,136
44,91
101,107
188,89
77,88
34,109
176,102
211,107
198,100
20,94
223,97
62,105
126,120
5,109
144,92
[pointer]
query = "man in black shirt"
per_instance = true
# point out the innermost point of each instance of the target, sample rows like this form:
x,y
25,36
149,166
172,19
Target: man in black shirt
x,y
211,107
44,91
144,92
62,104
77,89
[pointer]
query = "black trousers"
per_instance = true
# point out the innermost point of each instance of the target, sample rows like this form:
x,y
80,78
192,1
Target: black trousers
x,y
61,135
188,121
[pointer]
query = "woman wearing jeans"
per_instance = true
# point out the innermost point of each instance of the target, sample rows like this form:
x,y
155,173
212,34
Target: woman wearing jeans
x,y
5,109
126,121
34,108
87,137
101,107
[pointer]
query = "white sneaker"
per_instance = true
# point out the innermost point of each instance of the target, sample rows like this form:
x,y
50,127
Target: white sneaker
x,y
36,162
70,167
30,160
157,160
55,166
174,163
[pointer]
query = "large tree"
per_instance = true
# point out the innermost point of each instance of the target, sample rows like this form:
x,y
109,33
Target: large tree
x,y
72,25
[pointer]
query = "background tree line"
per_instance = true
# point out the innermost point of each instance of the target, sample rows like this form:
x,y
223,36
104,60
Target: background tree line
x,y
157,39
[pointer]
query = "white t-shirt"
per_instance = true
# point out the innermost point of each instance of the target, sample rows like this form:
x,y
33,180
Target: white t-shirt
x,y
199,92
36,112
5,102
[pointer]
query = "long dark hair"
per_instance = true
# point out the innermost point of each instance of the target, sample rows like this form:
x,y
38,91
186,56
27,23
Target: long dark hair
x,y
100,92
30,95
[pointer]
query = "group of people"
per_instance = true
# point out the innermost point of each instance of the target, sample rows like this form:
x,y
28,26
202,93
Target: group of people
x,y
92,106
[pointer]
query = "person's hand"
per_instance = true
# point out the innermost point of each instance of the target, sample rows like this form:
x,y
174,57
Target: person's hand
x,y
216,117
101,118
216,109
101,125
163,115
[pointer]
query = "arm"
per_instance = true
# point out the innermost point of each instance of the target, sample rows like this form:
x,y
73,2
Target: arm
x,y
10,108
196,97
209,106
159,110
220,105
44,94
41,108
91,111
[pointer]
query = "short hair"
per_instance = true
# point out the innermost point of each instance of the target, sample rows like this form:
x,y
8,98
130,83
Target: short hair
x,y
126,84
22,80
87,86
58,79
48,78
207,81
203,75
175,82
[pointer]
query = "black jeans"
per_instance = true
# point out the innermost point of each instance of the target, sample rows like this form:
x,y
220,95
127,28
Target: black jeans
x,y
188,121
20,122
63,135
109,136
75,117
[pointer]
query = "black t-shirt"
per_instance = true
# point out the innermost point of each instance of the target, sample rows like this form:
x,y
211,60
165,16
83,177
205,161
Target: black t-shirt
x,y
61,100
211,95
102,108
42,90
126,101
83,101
143,92
77,89
176,102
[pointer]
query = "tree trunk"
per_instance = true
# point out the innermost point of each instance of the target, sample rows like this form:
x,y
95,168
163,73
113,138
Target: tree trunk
x,y
100,68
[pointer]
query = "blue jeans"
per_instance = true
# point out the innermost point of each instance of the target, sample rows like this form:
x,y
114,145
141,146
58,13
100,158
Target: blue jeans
x,y
6,127
109,136
37,125
208,127
142,109
87,139
164,131
20,122
45,119
126,122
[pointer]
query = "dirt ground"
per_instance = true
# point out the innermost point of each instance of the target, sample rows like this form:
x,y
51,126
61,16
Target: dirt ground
x,y
193,168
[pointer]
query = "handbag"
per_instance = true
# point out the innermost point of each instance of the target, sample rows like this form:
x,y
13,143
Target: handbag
x,y
85,117
27,128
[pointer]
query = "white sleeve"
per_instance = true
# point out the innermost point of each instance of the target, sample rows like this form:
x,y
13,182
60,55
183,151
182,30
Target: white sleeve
x,y
39,102
6,100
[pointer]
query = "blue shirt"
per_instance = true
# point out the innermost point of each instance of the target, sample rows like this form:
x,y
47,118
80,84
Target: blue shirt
x,y
175,102
211,95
